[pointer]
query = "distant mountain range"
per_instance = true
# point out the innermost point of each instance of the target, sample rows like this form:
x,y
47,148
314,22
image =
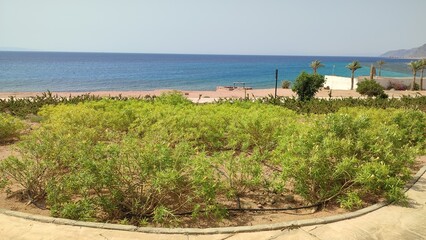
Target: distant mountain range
x,y
419,52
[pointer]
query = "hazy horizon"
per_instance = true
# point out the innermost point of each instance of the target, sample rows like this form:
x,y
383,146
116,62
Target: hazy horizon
x,y
232,27
165,53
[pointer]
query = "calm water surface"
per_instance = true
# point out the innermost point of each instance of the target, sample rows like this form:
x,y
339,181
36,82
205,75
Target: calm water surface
x,y
55,71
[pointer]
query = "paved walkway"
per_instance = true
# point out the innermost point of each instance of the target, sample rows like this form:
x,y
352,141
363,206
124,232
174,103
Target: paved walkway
x,y
390,222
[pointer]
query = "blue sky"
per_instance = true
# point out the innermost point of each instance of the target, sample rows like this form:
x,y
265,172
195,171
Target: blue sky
x,y
265,27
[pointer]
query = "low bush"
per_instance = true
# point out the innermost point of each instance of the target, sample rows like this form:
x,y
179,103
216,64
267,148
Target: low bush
x,y
324,106
285,84
10,127
371,88
398,86
22,107
355,154
307,85
416,87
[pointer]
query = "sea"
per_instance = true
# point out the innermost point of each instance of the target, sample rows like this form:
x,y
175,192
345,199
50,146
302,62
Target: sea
x,y
88,72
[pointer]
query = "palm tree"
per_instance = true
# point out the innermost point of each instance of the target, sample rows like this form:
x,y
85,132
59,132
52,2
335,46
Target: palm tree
x,y
315,65
415,66
380,64
422,67
353,66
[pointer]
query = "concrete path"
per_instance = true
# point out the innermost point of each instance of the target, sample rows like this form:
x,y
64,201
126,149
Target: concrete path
x,y
390,222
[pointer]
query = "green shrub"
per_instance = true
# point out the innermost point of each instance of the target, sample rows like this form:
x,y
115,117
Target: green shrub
x,y
412,125
22,107
324,106
285,84
173,98
353,151
307,85
416,87
350,201
371,88
10,127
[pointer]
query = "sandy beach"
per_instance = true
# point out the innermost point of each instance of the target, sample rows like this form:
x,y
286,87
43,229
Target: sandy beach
x,y
205,96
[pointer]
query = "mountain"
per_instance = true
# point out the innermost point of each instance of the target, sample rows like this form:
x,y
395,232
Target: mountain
x,y
419,52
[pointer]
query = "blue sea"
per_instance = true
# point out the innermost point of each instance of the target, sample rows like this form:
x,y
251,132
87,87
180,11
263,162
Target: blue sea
x,y
57,71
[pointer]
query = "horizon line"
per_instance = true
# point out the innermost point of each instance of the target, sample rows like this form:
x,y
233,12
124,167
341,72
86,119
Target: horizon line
x,y
201,54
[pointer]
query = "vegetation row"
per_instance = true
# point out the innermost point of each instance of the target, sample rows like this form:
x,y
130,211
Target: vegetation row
x,y
27,107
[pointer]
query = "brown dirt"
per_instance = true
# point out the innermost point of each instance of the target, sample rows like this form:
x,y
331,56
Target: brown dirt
x,y
5,151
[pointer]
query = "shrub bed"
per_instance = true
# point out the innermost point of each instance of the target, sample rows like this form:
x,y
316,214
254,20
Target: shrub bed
x,y
153,161
24,107
324,106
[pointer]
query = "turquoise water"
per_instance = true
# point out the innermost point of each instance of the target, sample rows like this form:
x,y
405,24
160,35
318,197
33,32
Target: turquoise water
x,y
54,71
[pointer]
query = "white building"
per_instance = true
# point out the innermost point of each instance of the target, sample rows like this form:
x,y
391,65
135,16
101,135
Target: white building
x,y
339,83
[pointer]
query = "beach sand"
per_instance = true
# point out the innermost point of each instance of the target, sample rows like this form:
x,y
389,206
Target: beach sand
x,y
207,96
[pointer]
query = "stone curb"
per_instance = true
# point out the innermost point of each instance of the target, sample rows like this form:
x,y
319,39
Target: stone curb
x,y
205,231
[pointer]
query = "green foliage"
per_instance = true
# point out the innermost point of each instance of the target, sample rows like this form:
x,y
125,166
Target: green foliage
x,y
23,107
353,151
10,127
315,65
173,98
27,173
412,125
28,107
162,215
150,161
371,88
285,84
416,87
324,106
79,210
307,85
353,66
350,201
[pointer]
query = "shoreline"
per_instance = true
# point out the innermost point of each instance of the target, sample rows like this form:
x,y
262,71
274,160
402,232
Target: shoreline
x,y
219,93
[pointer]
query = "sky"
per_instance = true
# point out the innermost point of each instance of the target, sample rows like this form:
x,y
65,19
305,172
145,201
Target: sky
x,y
248,27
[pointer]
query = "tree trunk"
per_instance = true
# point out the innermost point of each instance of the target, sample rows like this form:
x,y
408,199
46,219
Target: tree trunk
x,y
380,71
315,71
352,80
414,81
421,80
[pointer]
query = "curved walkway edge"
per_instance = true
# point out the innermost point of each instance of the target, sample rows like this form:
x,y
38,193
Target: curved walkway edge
x,y
418,184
